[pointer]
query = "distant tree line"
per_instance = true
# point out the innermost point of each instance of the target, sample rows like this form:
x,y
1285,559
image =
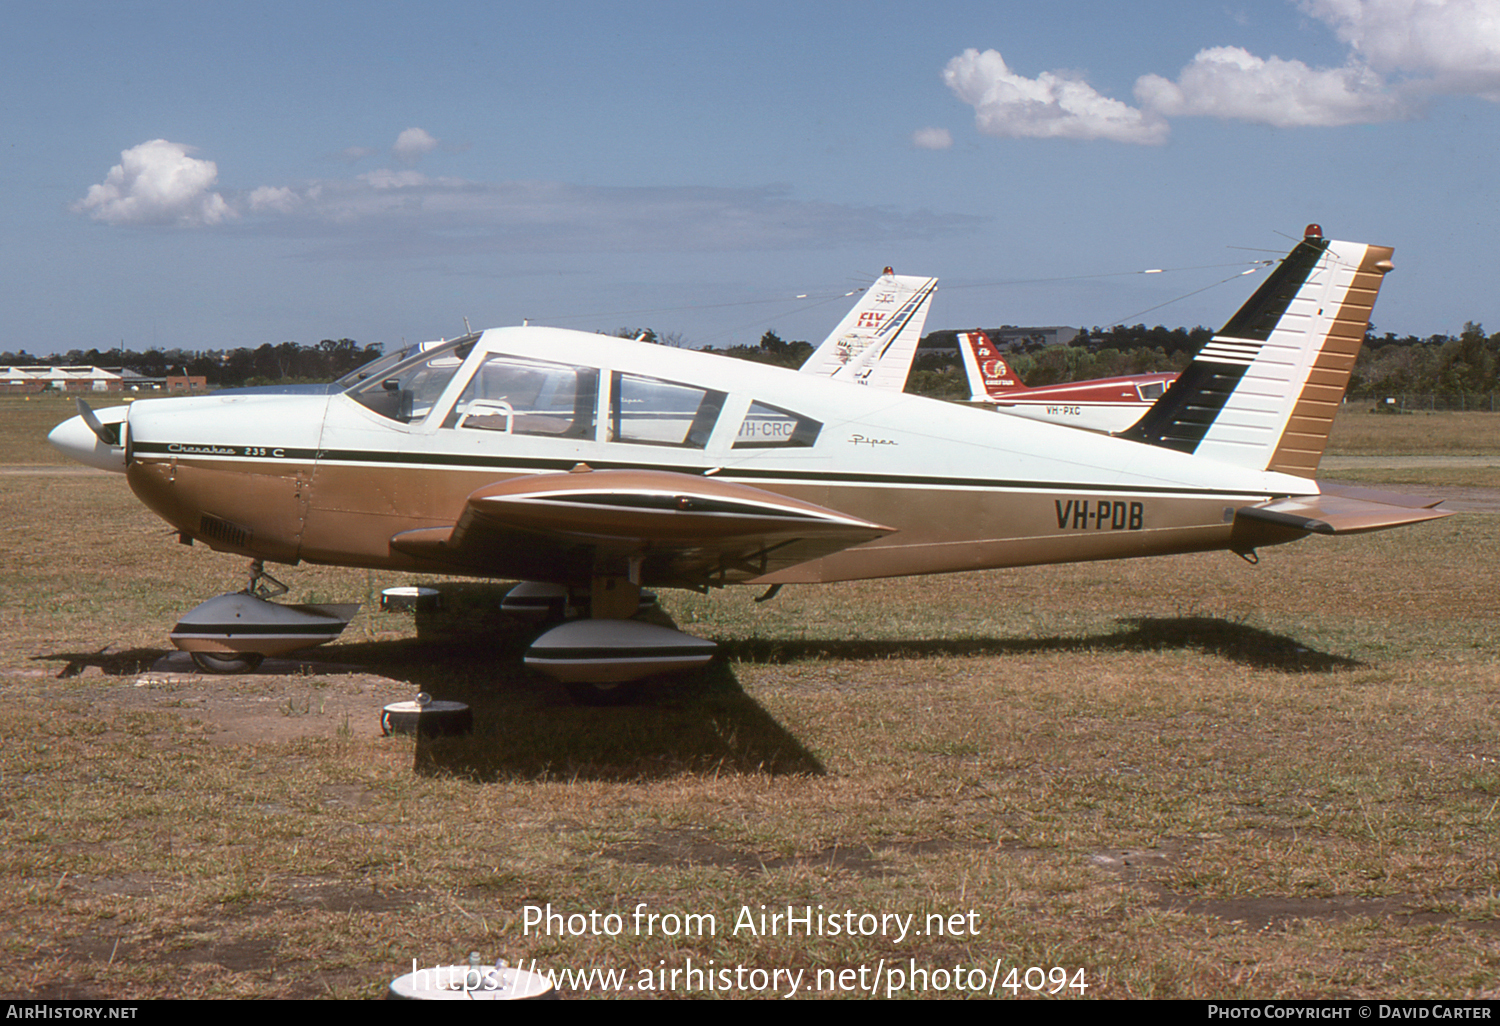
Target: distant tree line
x,y
771,349
287,363
1467,364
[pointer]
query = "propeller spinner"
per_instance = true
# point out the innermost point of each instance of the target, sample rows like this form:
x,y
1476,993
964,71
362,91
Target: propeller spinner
x,y
93,438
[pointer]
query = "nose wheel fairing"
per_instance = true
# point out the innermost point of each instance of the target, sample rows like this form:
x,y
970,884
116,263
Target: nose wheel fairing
x,y
245,623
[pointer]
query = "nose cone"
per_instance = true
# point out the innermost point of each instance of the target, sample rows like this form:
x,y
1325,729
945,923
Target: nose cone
x,y
76,439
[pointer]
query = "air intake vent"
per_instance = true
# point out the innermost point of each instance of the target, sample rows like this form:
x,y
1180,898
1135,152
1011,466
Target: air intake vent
x,y
212,529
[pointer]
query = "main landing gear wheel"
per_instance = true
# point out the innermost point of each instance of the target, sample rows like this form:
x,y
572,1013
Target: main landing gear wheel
x,y
227,662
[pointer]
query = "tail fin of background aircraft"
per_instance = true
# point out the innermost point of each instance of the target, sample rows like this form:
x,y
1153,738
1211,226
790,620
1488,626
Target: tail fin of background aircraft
x,y
989,373
1263,392
875,343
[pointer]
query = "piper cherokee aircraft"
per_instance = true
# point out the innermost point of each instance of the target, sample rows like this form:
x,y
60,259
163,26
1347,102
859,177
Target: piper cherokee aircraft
x,y
1100,404
604,466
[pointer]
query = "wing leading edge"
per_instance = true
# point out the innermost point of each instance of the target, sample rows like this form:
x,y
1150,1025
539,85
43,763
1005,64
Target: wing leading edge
x,y
660,528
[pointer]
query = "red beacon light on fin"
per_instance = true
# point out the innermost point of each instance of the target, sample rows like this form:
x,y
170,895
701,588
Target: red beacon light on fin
x,y
1313,231
889,270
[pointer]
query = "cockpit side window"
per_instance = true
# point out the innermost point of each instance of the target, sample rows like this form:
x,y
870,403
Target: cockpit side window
x,y
650,411
407,392
770,427
528,397
1151,391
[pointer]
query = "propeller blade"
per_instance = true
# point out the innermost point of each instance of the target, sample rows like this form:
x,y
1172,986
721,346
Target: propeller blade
x,y
104,434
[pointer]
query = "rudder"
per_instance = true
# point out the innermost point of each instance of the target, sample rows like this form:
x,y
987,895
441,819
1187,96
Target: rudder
x,y
989,373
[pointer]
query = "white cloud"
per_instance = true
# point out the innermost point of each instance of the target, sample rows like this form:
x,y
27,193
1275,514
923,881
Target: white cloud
x,y
280,199
932,138
1054,105
157,183
1401,54
1453,44
386,212
1228,82
412,144
385,178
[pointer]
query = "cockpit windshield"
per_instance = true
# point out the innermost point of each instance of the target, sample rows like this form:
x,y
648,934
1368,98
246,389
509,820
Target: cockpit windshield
x,y
379,365
407,390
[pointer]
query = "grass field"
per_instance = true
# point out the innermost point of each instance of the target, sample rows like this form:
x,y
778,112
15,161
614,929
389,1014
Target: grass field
x,y
1177,778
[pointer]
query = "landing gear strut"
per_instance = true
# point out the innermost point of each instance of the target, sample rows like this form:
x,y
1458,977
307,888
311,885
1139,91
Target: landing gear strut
x,y
258,586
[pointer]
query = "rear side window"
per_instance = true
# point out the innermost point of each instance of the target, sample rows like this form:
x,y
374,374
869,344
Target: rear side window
x,y
770,427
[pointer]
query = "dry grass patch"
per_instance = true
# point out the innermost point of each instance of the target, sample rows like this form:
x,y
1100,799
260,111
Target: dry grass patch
x,y
1426,477
1357,431
25,421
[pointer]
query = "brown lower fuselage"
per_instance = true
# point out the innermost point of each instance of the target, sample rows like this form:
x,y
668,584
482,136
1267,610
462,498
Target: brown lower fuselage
x,y
347,515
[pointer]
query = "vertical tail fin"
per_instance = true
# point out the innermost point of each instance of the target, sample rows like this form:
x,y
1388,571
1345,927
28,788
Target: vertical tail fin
x,y
1263,392
876,341
990,375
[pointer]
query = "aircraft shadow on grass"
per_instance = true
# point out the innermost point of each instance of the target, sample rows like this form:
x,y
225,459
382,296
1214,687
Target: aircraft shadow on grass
x,y
125,663
527,727
1226,639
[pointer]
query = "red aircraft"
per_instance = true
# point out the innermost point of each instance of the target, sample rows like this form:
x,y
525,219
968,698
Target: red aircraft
x,y
1103,404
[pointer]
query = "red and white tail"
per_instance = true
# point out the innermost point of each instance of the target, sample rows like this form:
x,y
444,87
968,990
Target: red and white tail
x,y
990,375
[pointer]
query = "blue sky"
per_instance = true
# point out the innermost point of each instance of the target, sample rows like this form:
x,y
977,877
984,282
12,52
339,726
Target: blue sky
x,y
207,176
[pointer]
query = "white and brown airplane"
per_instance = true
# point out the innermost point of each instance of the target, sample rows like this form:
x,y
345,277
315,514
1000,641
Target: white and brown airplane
x,y
603,465
1098,404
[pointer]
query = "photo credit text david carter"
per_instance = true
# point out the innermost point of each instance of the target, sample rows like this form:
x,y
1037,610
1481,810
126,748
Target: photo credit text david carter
x,y
1352,1010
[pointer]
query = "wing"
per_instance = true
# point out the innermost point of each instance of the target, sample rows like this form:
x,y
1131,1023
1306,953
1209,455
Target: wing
x,y
1337,510
675,529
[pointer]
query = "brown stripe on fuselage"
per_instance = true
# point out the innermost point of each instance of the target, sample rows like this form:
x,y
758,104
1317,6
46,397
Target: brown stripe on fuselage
x,y
346,514
355,510
955,530
939,529
268,500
